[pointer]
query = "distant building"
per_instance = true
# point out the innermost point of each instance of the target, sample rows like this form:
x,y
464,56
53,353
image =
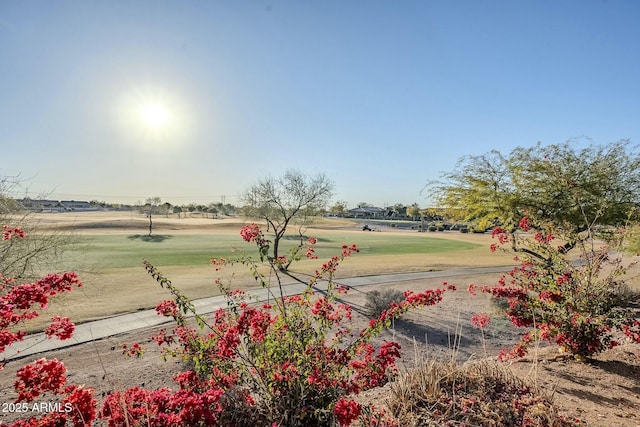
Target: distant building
x,y
73,205
43,205
40,205
367,212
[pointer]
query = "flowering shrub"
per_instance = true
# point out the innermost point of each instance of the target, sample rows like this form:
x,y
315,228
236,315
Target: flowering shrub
x,y
19,303
291,361
577,304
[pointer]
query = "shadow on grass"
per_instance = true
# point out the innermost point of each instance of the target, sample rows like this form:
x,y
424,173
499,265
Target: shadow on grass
x,y
154,238
305,238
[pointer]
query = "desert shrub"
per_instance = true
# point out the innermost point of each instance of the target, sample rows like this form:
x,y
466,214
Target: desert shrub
x,y
475,394
580,306
379,301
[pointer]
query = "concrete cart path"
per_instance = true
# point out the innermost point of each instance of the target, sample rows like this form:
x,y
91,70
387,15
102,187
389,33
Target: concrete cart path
x,y
121,324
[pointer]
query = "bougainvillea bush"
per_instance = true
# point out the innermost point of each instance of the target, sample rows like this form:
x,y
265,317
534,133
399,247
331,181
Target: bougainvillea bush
x,y
291,361
19,303
578,301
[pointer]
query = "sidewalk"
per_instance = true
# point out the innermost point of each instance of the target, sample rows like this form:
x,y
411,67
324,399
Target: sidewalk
x,y
121,324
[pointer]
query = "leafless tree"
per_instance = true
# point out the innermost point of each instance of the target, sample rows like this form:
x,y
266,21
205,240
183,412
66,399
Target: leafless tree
x,y
43,247
150,208
279,201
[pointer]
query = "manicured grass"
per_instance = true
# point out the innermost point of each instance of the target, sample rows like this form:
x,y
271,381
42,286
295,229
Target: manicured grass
x,y
122,251
110,265
415,243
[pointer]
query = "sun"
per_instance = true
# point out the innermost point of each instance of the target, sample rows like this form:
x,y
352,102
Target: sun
x,y
154,115
152,118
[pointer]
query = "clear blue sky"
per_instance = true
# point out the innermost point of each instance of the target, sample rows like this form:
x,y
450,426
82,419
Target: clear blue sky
x,y
381,96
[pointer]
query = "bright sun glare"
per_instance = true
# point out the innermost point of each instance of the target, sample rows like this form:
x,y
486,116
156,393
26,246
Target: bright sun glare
x,y
151,117
154,115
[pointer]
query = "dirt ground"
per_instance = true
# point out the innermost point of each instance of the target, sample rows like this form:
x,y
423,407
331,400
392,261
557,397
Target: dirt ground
x,y
604,392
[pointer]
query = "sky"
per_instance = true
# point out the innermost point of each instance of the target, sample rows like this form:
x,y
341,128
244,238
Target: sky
x,y
195,101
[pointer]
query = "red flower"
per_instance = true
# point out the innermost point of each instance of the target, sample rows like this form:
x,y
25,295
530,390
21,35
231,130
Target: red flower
x,y
311,254
167,308
8,232
39,377
218,263
501,234
347,411
518,351
61,328
481,320
249,232
134,350
551,296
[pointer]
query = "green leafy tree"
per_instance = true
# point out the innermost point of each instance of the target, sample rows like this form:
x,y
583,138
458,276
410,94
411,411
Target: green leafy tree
x,y
400,210
574,189
279,200
226,208
413,211
339,208
546,201
213,210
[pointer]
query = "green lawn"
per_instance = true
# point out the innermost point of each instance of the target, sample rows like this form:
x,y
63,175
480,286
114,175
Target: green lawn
x,y
115,281
418,243
121,251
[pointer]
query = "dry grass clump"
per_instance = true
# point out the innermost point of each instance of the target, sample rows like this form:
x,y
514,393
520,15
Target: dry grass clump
x,y
474,394
379,301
